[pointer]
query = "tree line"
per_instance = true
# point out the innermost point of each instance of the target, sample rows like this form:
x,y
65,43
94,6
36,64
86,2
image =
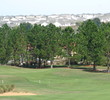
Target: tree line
x,y
29,43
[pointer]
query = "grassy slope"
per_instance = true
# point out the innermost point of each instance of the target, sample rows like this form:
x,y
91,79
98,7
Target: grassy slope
x,y
56,84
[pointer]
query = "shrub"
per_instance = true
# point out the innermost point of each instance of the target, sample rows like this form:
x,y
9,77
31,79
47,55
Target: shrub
x,y
6,88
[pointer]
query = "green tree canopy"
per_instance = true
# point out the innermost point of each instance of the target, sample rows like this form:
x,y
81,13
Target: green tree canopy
x,y
94,41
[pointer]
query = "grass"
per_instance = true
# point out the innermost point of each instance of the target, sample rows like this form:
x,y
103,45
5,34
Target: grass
x,y
57,83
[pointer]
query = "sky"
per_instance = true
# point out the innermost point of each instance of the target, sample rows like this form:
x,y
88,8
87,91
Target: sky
x,y
48,7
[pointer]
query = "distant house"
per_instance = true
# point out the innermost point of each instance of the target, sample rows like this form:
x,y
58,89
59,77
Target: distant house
x,y
44,24
57,24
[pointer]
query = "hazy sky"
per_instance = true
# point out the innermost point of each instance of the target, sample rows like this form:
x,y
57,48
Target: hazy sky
x,y
47,7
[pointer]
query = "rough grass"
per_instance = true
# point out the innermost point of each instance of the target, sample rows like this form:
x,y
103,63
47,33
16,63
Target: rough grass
x,y
6,88
57,83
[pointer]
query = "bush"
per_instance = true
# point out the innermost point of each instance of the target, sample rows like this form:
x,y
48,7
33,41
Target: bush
x,y
6,88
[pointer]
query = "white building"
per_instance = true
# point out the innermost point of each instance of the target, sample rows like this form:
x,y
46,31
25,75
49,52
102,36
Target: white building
x,y
57,24
44,24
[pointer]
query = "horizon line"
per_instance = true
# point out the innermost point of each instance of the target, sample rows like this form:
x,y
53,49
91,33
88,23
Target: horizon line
x,y
52,14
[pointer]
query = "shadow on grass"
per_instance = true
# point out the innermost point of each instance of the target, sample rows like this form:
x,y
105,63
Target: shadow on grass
x,y
89,68
96,71
42,67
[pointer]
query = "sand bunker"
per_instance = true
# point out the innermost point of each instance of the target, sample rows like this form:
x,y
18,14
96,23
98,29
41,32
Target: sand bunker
x,y
16,94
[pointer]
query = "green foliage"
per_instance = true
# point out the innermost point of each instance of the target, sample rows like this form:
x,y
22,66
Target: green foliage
x,y
105,28
26,43
52,41
18,44
5,48
68,42
94,41
97,21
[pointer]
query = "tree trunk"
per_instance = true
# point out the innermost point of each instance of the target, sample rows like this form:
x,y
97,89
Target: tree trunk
x,y
44,63
51,64
27,58
69,62
108,66
14,61
94,66
21,60
39,62
14,58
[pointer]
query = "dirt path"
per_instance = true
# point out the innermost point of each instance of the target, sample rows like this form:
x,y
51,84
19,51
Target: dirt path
x,y
16,94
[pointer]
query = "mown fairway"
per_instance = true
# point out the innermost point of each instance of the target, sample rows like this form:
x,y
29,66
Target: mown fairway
x,y
56,84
